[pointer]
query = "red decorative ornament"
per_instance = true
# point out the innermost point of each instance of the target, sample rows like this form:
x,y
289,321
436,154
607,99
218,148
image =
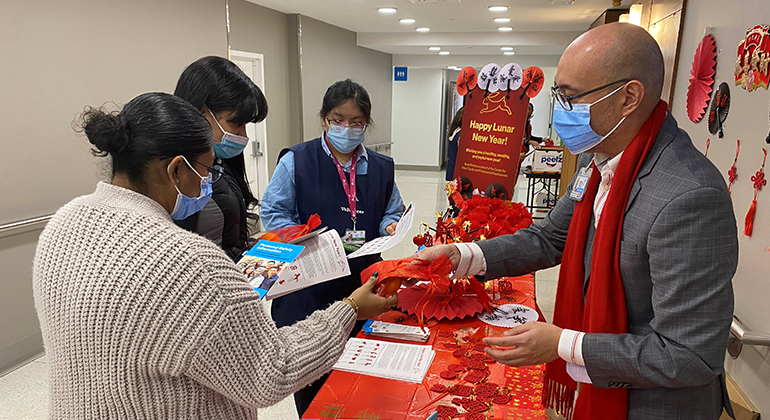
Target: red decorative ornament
x,y
288,233
466,80
419,240
701,78
732,173
752,69
759,181
708,144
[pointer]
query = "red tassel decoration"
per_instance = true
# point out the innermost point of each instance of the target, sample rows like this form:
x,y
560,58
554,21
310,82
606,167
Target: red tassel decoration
x,y
708,144
733,173
759,181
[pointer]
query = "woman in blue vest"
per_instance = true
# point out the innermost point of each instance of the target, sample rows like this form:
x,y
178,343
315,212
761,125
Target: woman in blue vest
x,y
351,187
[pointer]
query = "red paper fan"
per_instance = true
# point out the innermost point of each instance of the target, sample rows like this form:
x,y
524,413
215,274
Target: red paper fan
x,y
466,80
534,79
701,78
457,307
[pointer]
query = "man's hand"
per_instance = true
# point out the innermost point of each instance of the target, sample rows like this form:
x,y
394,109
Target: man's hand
x,y
534,342
391,229
431,253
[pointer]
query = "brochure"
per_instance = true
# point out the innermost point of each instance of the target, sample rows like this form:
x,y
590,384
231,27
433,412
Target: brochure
x,y
265,262
385,243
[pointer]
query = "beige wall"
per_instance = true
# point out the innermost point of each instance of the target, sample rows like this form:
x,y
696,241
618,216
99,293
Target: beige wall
x,y
329,54
55,58
747,121
257,29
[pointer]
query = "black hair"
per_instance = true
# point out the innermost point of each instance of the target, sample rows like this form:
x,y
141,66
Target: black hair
x,y
150,127
343,91
220,85
457,121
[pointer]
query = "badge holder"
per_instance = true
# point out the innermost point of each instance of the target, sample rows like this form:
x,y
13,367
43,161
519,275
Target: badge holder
x,y
581,183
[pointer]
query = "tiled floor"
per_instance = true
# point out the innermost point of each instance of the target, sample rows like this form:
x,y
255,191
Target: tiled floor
x,y
24,393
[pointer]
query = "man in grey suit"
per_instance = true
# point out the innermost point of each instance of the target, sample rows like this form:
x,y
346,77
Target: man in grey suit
x,y
678,247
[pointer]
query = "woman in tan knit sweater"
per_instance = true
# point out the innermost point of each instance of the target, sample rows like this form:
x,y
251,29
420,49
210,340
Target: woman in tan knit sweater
x,y
144,320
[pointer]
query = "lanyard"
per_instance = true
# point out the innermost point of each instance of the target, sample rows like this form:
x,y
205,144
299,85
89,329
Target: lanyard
x,y
350,190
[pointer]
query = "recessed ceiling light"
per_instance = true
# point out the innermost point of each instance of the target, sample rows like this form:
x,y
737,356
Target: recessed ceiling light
x,y
506,48
407,21
423,29
502,20
509,53
387,10
453,68
443,52
498,8
435,48
562,2
505,29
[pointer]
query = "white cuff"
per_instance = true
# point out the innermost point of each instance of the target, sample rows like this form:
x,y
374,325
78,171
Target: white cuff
x,y
571,346
472,260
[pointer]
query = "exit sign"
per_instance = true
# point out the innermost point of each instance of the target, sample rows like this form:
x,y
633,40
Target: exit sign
x,y
399,74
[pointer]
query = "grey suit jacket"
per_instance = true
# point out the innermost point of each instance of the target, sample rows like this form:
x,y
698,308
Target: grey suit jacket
x,y
678,254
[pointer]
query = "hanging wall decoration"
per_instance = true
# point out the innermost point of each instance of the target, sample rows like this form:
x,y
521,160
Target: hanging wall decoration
x,y
752,68
732,173
767,139
759,181
701,78
708,144
720,106
466,81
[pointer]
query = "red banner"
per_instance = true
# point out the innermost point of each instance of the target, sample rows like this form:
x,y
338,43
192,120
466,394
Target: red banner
x,y
490,140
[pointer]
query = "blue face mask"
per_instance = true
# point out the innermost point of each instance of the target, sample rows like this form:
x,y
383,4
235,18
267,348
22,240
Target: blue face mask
x,y
345,141
574,127
231,145
187,206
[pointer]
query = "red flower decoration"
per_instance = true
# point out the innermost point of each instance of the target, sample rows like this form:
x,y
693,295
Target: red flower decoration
x,y
759,180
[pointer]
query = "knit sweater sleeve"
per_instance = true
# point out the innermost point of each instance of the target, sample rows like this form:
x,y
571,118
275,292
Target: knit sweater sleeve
x,y
247,359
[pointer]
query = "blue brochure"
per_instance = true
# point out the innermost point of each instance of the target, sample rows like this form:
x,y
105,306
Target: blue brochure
x,y
264,263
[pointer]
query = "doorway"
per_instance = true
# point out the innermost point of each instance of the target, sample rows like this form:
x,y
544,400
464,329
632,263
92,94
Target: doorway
x,y
255,155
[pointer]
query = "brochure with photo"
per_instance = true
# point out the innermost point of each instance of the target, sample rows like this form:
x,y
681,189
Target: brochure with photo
x,y
264,263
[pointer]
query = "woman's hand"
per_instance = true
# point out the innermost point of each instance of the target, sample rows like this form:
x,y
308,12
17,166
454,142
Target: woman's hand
x,y
534,144
369,304
391,229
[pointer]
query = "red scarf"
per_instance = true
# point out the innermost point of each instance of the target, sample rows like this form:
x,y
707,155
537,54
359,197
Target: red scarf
x,y
604,307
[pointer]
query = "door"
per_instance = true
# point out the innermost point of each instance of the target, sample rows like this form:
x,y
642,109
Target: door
x,y
256,151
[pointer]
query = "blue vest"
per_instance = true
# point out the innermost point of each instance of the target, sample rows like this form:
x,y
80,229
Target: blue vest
x,y
319,190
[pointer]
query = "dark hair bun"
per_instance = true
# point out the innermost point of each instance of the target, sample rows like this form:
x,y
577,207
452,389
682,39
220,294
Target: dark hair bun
x,y
105,131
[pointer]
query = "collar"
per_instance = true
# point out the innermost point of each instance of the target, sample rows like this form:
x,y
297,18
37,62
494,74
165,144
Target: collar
x,y
361,152
606,164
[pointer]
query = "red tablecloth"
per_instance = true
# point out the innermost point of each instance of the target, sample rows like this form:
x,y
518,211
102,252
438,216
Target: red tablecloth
x,y
351,396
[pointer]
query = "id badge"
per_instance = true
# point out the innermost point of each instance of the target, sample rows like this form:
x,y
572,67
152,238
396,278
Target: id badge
x,y
579,189
353,239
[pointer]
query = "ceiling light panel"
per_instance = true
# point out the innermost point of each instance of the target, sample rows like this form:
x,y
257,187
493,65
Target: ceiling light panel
x,y
498,8
387,10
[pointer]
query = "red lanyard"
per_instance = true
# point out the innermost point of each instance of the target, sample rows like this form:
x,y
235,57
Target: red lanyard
x,y
350,190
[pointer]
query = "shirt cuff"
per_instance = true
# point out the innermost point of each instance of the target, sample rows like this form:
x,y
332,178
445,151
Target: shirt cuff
x,y
472,260
571,346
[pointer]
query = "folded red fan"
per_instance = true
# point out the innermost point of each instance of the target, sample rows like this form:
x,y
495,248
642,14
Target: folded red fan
x,y
288,233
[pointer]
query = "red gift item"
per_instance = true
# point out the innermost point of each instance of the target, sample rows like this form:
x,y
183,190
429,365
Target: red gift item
x,y
489,360
475,416
438,388
456,368
488,389
446,412
459,353
457,401
478,356
477,365
465,362
451,346
288,233
448,374
475,406
475,377
501,399
461,390
484,398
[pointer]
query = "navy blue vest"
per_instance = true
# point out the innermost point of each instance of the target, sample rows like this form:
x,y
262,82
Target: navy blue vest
x,y
319,190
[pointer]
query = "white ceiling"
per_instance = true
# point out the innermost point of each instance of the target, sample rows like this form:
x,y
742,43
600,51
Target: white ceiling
x,y
460,27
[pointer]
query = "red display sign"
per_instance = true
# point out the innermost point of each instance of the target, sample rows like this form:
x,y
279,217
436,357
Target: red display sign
x,y
752,69
491,136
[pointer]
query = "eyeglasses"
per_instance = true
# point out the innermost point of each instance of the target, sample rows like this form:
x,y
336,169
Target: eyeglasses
x,y
215,172
566,100
338,126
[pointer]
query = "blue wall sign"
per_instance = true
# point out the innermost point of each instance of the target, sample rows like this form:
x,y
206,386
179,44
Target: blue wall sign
x,y
399,74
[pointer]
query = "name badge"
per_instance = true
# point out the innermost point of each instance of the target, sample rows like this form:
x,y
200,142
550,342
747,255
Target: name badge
x,y
581,183
353,239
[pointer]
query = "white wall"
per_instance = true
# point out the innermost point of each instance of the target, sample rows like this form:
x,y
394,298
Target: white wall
x,y
417,112
747,121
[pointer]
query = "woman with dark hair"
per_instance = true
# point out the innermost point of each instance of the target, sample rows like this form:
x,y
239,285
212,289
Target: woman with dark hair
x,y
454,144
229,100
142,319
351,187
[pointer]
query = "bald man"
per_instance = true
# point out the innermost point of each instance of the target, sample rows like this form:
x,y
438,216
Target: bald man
x,y
647,242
